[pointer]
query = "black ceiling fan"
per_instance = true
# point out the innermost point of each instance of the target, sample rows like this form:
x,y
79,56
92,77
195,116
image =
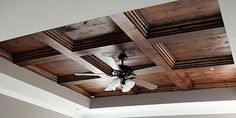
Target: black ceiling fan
x,y
125,76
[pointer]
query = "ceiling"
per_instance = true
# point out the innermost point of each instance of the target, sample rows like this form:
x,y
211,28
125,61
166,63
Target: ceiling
x,y
186,37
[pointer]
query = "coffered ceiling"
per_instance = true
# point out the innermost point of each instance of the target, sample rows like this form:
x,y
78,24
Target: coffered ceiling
x,y
186,37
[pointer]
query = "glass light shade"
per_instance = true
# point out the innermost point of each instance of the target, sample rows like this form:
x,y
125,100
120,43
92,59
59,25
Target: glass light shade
x,y
114,83
129,84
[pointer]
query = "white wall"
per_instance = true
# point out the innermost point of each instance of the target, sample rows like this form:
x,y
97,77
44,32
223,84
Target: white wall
x,y
12,108
21,17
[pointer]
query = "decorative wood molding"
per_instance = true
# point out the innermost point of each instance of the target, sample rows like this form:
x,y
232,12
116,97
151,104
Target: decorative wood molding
x,y
135,90
110,39
53,77
72,79
40,56
204,62
215,85
185,78
165,53
37,56
112,93
138,21
204,69
92,59
124,22
202,23
6,55
201,34
160,89
52,41
42,72
60,37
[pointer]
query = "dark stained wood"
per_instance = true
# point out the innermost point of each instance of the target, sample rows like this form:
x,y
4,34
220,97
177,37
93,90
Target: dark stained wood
x,y
5,55
21,44
40,56
63,67
50,38
186,37
60,38
135,90
131,30
203,69
201,34
160,89
37,56
94,85
72,79
111,93
179,10
110,39
186,26
215,85
214,75
204,62
53,77
90,29
42,72
92,59
165,53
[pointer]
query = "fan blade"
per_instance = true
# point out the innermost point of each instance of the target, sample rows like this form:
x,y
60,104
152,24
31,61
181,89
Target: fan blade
x,y
150,70
109,61
90,74
145,84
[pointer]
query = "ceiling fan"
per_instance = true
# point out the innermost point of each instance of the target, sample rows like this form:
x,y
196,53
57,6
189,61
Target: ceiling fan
x,y
124,76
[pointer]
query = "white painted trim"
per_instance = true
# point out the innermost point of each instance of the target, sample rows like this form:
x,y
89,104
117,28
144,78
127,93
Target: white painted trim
x,y
228,8
221,94
27,86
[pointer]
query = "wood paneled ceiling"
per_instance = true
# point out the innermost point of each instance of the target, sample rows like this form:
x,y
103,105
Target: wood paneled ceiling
x,y
186,37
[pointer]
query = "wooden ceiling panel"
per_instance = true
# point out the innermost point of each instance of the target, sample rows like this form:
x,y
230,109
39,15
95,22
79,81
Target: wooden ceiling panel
x,y
63,67
94,85
214,75
194,48
186,37
89,29
180,10
159,79
22,44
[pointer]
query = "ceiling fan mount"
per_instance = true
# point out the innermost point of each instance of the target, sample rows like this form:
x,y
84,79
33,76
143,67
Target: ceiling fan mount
x,y
125,72
124,76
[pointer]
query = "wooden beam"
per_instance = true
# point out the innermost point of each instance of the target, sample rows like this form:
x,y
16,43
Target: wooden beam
x,y
200,34
205,22
204,62
101,41
50,37
127,25
72,79
38,56
46,55
6,55
42,72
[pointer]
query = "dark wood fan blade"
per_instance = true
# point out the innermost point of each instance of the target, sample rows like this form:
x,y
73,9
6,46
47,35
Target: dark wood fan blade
x,y
145,84
150,70
90,74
